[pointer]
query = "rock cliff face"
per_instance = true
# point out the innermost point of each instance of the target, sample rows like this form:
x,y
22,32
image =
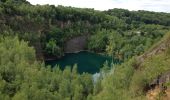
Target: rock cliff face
x,y
76,44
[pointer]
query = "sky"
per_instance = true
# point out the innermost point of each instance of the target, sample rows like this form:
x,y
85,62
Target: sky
x,y
150,5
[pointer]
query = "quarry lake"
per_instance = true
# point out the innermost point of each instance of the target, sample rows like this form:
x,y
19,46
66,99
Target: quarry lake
x,y
86,61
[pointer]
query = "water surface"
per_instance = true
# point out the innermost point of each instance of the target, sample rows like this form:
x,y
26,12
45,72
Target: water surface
x,y
86,61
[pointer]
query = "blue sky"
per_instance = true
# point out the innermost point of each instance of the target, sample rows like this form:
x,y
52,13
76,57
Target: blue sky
x,y
151,5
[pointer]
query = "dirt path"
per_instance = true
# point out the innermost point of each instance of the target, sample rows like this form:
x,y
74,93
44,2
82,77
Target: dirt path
x,y
154,94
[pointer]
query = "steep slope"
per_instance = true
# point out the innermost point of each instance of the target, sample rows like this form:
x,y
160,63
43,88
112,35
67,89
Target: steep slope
x,y
156,49
46,23
152,71
135,78
49,28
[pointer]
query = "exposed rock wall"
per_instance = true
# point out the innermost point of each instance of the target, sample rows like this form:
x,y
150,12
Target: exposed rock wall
x,y
76,44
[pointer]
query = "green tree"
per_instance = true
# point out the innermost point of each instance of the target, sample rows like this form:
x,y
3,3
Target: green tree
x,y
52,48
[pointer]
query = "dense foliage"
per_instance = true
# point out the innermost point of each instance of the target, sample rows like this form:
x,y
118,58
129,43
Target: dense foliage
x,y
48,28
44,30
127,82
23,78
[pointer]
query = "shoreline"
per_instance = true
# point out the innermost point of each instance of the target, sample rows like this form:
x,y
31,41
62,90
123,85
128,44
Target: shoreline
x,y
56,57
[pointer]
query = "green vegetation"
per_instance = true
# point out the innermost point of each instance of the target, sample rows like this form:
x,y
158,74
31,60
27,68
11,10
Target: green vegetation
x,y
51,27
23,78
28,30
126,82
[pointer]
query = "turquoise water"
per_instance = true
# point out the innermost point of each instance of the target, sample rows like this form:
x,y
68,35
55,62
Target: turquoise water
x,y
86,61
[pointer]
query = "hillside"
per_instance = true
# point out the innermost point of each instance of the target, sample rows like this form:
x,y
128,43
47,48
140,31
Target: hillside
x,y
49,28
122,82
32,34
143,77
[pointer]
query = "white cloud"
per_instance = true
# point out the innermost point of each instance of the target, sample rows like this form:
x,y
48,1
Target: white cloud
x,y
152,5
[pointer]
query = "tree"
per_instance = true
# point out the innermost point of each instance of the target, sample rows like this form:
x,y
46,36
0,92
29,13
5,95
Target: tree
x,y
52,48
98,40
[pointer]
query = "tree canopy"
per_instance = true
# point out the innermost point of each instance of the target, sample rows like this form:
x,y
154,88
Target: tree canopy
x,y
27,31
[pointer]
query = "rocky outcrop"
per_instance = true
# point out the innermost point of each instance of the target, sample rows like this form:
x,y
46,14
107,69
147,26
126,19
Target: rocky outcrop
x,y
161,79
76,44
